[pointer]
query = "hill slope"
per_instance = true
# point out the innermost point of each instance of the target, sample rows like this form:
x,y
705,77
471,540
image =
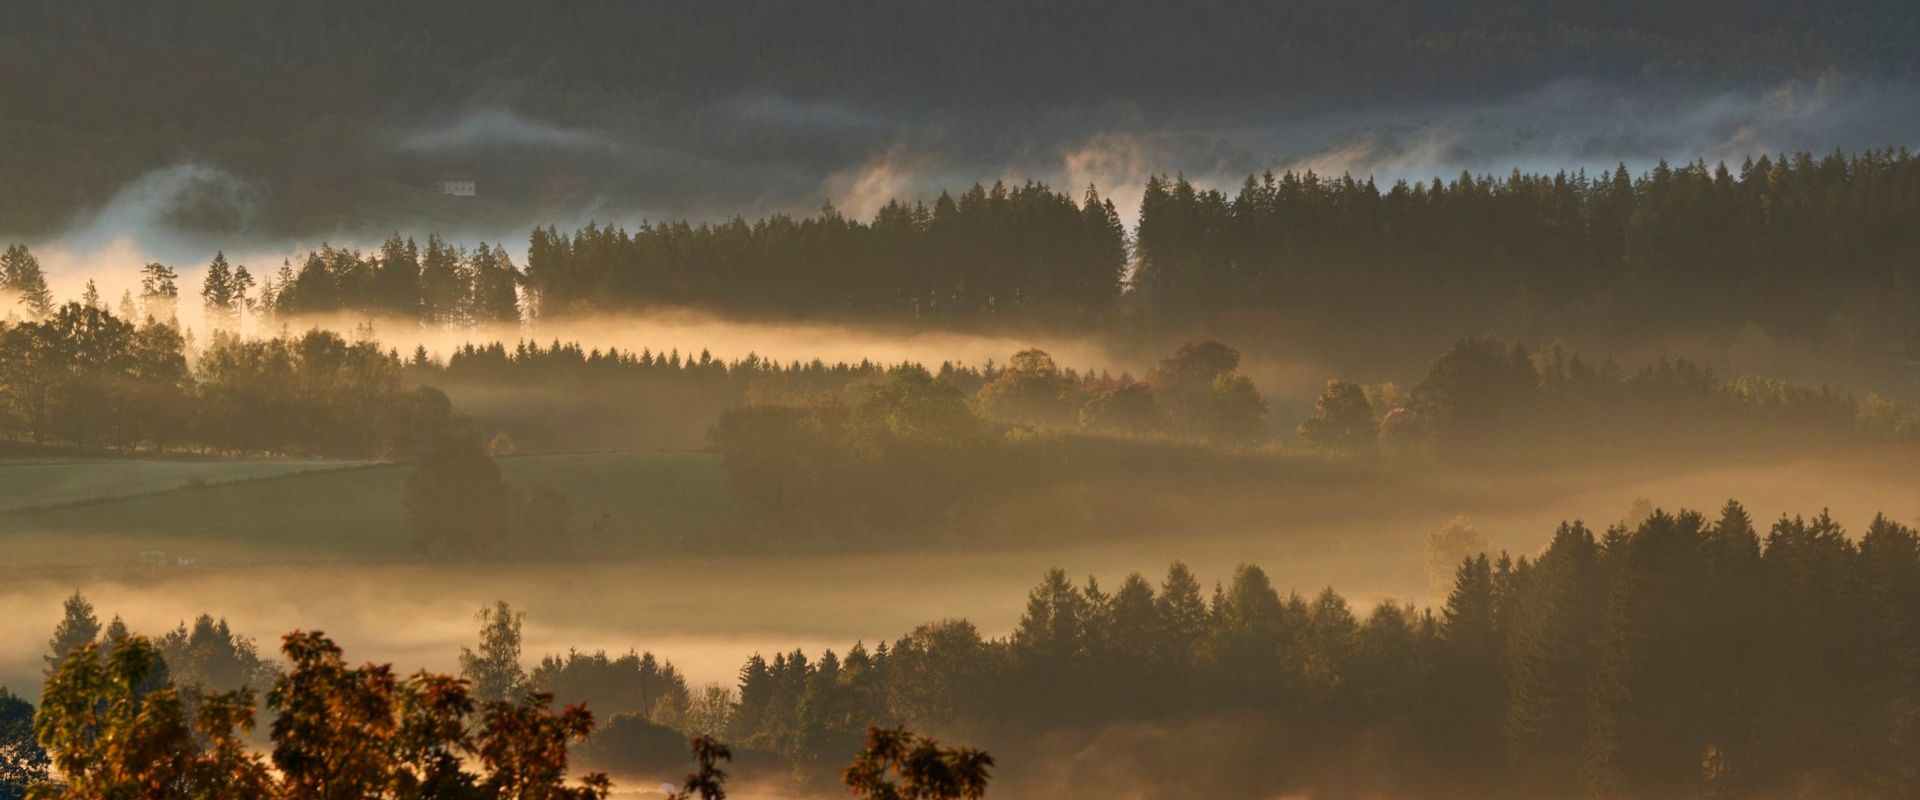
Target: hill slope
x,y
621,503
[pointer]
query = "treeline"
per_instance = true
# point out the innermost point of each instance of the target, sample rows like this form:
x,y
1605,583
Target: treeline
x,y
1685,657
991,252
111,725
125,715
1767,242
562,396
440,284
911,450
85,377
1486,397
1811,249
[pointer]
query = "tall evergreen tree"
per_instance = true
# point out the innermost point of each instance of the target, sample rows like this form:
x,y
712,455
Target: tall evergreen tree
x,y
78,627
22,277
159,291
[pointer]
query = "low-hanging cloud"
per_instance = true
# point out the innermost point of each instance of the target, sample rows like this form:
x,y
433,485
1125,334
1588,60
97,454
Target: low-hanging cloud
x,y
500,127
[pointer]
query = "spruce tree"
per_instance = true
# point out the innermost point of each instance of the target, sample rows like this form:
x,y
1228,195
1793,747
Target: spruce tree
x,y
21,276
1551,652
77,627
217,293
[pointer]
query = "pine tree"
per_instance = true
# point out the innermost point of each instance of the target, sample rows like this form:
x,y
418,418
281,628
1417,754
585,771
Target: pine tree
x,y
444,290
1648,734
1550,655
1183,616
1469,692
21,276
1737,611
159,291
242,287
217,293
77,628
1890,563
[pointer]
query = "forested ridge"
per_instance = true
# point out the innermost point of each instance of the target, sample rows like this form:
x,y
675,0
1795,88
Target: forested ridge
x,y
1812,249
1767,240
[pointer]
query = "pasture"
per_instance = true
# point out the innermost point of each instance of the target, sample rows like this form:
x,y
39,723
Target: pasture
x,y
130,512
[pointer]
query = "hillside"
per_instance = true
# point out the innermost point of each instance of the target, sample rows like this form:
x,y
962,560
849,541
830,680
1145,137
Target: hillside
x,y
40,482
621,503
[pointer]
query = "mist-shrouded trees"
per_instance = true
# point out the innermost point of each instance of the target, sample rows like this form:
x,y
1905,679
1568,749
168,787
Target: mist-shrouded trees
x,y
907,449
494,669
456,500
224,292
815,465
209,657
1206,397
1488,399
1303,242
78,627
1813,249
159,292
23,284
1031,389
83,376
441,284
1344,420
1684,656
994,252
75,376
1126,408
639,684
1604,254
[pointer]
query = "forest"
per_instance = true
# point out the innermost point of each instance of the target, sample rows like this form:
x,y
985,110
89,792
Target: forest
x,y
1798,242
1679,656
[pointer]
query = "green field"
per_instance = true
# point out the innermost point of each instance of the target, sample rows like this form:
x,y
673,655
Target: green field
x,y
621,503
29,483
